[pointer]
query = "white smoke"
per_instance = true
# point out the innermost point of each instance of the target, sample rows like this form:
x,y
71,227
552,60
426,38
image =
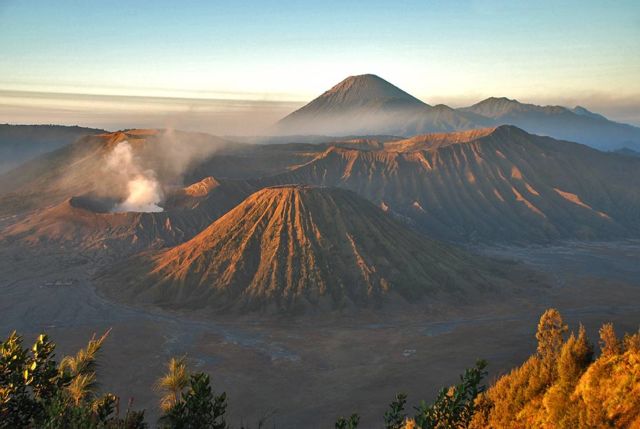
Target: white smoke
x,y
144,196
144,193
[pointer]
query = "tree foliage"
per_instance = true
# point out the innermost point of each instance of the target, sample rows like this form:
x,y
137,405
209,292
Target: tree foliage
x,y
29,380
454,407
36,392
609,343
562,387
173,383
198,408
350,422
81,370
394,417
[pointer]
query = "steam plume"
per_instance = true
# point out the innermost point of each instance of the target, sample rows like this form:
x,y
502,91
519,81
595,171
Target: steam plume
x,y
144,193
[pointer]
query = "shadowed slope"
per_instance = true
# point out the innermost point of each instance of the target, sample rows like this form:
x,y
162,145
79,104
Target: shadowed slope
x,y
578,124
20,143
288,248
497,185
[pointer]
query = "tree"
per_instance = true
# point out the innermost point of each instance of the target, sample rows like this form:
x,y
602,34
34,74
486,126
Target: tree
x,y
550,333
98,414
454,407
609,343
37,392
608,393
348,423
394,418
578,393
631,342
516,399
576,355
173,383
198,408
29,380
81,369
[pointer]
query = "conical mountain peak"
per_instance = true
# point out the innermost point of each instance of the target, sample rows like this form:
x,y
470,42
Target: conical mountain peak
x,y
369,105
293,247
361,89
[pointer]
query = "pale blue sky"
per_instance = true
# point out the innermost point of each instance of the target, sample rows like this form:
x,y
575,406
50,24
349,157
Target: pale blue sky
x,y
440,51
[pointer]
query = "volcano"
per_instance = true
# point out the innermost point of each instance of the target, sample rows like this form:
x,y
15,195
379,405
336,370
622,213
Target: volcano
x,y
83,167
369,105
175,157
489,185
89,223
293,248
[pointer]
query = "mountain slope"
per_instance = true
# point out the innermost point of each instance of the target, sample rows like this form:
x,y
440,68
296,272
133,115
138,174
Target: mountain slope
x,y
292,248
83,167
578,124
362,90
89,224
367,104
76,225
20,143
627,152
499,184
174,157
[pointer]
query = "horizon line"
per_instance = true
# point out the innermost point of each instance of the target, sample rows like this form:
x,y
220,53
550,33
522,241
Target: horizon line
x,y
194,97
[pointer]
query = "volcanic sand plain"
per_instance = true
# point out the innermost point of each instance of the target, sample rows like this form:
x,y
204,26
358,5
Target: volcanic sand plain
x,y
306,372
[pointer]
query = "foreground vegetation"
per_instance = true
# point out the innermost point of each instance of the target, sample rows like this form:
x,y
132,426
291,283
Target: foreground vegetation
x,y
560,386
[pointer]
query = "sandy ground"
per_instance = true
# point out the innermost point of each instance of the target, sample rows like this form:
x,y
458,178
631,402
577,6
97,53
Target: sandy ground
x,y
305,374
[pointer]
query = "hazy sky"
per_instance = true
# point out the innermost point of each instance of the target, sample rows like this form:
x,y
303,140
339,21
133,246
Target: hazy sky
x,y
574,52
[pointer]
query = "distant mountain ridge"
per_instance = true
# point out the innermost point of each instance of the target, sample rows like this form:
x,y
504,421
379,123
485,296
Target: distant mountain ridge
x,y
20,143
577,124
488,185
368,104
628,152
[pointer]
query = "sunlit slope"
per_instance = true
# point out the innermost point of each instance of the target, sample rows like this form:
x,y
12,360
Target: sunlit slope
x,y
294,247
499,184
